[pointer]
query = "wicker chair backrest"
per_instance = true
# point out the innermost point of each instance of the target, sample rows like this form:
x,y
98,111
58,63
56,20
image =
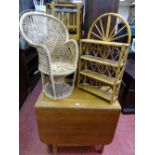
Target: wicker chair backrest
x,y
39,28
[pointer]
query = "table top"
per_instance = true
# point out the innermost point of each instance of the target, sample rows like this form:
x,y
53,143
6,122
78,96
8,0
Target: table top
x,y
78,99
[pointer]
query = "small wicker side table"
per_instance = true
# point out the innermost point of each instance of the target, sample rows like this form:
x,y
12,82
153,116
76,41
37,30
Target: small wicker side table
x,y
80,120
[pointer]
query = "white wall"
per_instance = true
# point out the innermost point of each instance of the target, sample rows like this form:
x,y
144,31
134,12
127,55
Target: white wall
x,y
124,11
79,1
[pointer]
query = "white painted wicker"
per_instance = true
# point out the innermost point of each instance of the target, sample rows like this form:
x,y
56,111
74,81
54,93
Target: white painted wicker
x,y
39,5
58,56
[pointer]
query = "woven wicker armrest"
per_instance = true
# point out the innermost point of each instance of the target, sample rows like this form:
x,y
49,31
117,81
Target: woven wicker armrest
x,y
44,59
73,46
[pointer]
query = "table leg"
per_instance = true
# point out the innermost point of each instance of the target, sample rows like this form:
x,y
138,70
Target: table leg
x,y
99,148
55,150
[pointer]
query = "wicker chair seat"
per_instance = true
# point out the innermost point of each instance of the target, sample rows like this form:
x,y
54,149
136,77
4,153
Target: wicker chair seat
x,y
62,68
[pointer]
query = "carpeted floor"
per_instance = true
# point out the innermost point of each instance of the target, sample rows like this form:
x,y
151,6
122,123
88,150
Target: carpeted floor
x,y
30,144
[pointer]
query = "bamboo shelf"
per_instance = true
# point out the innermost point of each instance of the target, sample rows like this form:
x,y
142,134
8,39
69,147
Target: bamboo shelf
x,y
103,57
98,76
117,44
99,92
99,60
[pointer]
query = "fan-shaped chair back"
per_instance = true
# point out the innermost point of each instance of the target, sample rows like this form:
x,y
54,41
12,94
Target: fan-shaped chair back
x,y
40,28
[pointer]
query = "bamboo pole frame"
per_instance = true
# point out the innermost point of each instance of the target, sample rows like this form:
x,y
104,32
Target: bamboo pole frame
x,y
102,60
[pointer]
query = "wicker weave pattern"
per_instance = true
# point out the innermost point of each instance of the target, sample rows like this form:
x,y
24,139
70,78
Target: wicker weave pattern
x,y
58,56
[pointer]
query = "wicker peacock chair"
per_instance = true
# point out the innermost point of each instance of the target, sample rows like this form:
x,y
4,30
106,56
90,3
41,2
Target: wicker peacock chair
x,y
58,56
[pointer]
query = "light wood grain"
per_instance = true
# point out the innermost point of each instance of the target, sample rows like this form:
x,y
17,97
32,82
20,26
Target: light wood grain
x,y
81,119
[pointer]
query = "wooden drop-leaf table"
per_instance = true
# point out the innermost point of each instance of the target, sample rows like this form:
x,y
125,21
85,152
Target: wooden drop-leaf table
x,y
79,120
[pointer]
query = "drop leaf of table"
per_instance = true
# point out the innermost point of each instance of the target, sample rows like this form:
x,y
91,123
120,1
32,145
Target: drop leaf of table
x,y
81,119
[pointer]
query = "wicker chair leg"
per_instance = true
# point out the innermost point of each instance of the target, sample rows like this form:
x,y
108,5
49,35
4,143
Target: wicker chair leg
x,y
43,78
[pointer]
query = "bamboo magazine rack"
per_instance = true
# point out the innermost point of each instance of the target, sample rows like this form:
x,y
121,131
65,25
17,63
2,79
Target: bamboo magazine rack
x,y
103,56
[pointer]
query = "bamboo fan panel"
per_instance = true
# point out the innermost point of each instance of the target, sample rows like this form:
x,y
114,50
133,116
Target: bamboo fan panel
x,y
110,27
